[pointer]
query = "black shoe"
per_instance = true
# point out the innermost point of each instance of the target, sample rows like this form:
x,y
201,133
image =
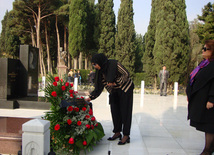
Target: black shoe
x,y
113,138
123,143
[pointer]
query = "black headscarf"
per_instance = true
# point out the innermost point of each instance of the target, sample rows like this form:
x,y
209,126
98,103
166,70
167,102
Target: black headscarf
x,y
108,68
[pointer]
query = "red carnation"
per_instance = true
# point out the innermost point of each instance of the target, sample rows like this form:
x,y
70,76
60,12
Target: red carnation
x,y
79,123
61,80
69,121
63,88
87,126
71,91
83,108
71,141
92,127
72,84
96,124
54,94
56,79
55,83
70,108
66,84
71,95
87,116
93,118
90,112
76,109
82,97
84,143
57,127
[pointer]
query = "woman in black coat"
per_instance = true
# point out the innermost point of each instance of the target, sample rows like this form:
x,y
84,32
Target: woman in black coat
x,y
115,78
200,93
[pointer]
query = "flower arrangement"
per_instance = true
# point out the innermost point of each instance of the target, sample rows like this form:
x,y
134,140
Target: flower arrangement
x,y
73,127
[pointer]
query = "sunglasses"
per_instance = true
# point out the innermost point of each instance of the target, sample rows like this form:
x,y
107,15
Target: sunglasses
x,y
204,48
94,64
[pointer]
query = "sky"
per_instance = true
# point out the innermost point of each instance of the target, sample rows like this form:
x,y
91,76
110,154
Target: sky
x,y
142,9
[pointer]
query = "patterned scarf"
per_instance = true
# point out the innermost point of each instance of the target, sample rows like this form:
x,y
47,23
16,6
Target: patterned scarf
x,y
203,64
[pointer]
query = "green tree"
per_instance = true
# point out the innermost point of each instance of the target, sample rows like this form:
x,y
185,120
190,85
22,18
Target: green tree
x,y
77,28
91,39
172,39
107,28
125,40
3,33
195,46
140,49
205,29
148,57
9,43
33,12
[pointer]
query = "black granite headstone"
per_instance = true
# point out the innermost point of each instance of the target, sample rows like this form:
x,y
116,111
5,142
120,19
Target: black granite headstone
x,y
28,71
19,81
9,78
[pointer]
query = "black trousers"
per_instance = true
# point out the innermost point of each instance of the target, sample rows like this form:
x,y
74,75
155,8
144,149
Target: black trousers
x,y
121,110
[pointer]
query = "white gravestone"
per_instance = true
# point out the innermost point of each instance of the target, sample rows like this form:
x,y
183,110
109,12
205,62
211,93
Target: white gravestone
x,y
36,137
75,84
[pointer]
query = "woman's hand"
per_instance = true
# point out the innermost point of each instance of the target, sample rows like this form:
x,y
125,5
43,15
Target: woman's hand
x,y
111,84
209,105
88,99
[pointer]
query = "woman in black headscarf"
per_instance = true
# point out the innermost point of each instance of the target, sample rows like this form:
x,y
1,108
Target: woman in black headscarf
x,y
115,78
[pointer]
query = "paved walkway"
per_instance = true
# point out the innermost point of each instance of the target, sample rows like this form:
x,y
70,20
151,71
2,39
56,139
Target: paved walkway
x,y
159,127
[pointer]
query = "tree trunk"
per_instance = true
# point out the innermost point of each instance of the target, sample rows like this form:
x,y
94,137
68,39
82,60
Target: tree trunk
x,y
75,63
80,61
47,38
42,58
65,43
58,42
65,39
38,38
32,34
86,63
155,83
33,38
69,61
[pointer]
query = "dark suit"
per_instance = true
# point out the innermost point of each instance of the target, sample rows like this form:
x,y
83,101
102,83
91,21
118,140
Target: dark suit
x,y
201,91
163,75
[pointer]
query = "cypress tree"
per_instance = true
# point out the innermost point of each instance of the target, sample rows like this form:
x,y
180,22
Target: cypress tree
x,y
195,46
148,57
9,42
107,28
3,33
90,43
77,28
172,39
140,49
205,29
125,42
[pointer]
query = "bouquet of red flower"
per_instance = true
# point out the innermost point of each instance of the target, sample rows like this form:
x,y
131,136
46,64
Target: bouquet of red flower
x,y
73,127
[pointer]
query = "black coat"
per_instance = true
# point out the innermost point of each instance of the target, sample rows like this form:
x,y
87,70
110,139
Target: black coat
x,y
200,93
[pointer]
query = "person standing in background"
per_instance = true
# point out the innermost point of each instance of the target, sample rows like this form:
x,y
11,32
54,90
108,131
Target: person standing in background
x,y
70,76
91,77
79,77
163,75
